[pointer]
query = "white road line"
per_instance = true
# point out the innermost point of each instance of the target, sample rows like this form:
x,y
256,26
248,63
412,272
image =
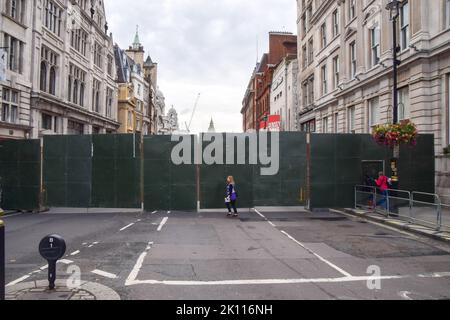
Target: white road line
x,y
12,215
317,256
163,222
65,261
43,268
154,212
18,280
104,274
343,272
75,253
169,212
137,267
133,281
405,295
267,220
126,227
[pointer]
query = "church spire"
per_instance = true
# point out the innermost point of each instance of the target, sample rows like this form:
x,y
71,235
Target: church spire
x,y
137,43
212,128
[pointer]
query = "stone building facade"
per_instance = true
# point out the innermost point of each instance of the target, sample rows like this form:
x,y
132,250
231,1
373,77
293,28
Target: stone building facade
x,y
74,88
345,61
16,23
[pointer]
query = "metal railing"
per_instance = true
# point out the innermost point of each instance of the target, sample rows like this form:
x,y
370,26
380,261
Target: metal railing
x,y
2,260
414,207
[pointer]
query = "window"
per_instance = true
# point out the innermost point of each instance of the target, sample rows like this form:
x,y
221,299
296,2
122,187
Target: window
x,y
310,51
374,112
15,9
404,26
109,102
79,40
98,54
352,9
130,119
14,49
403,104
311,90
309,126
325,125
336,123
323,35
47,121
336,70
53,17
74,127
336,28
375,45
10,106
96,96
304,57
324,80
49,71
352,60
351,120
447,13
77,85
110,65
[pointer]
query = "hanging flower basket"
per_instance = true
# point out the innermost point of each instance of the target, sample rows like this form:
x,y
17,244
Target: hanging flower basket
x,y
404,133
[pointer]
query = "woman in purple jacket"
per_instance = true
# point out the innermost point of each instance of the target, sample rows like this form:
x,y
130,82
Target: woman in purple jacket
x,y
231,198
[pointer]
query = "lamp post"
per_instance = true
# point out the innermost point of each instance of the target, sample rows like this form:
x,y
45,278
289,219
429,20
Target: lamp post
x,y
394,8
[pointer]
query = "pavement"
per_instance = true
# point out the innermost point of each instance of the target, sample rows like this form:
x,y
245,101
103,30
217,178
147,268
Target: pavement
x,y
160,255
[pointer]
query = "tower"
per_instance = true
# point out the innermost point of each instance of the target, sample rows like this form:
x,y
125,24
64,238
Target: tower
x,y
136,50
211,129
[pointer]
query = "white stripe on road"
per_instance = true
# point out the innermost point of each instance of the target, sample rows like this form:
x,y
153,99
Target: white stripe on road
x,y
154,212
137,267
126,227
132,282
161,225
18,280
317,256
75,253
65,261
343,272
104,274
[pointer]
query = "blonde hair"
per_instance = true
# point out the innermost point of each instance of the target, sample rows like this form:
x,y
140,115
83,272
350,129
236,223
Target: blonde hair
x,y
231,179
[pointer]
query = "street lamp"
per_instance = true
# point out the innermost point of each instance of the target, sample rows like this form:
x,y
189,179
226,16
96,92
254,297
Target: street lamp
x,y
394,9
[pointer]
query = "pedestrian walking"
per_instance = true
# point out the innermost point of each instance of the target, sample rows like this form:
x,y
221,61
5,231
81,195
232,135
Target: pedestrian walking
x,y
383,185
231,197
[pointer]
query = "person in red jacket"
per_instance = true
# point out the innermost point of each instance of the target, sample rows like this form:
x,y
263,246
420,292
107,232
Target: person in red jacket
x,y
383,185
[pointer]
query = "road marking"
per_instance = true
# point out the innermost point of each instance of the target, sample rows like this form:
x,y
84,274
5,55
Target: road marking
x,y
104,274
163,222
126,227
12,215
18,280
75,253
335,267
343,272
65,261
405,295
267,220
154,212
133,281
44,267
169,212
137,267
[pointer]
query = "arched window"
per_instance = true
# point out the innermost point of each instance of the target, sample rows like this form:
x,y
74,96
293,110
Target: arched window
x,y
75,92
52,81
97,102
82,95
43,85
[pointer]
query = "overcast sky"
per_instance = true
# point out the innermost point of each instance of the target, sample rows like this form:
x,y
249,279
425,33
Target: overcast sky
x,y
202,46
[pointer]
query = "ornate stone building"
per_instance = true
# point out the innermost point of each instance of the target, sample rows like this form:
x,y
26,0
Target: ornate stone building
x,y
345,61
74,88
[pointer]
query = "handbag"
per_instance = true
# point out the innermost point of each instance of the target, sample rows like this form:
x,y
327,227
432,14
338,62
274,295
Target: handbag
x,y
227,200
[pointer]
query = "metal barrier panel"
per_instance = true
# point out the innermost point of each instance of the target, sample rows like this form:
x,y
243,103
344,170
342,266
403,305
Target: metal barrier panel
x,y
166,185
397,203
116,171
426,208
213,177
445,213
67,171
365,197
20,174
288,187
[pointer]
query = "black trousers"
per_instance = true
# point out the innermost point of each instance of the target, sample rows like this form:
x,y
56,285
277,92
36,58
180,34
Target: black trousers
x,y
230,205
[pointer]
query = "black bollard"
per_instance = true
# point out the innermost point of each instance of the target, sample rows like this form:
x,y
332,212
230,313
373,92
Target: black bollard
x,y
52,248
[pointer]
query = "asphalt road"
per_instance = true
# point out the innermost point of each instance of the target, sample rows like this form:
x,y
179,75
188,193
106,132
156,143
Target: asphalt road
x,y
262,255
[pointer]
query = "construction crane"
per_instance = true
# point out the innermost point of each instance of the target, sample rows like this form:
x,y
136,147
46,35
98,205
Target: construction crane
x,y
188,127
